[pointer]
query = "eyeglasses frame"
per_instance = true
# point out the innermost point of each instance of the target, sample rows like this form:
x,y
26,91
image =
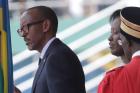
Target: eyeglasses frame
x,y
21,31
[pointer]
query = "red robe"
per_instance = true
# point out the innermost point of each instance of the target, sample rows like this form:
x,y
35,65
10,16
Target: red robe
x,y
125,79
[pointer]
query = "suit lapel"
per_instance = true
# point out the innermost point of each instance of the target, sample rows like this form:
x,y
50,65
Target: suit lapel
x,y
41,66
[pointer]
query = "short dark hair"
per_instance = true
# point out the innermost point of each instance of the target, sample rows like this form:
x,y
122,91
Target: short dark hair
x,y
48,13
114,15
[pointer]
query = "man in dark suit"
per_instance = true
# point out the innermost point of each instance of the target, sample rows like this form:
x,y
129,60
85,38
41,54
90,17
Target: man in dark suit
x,y
59,68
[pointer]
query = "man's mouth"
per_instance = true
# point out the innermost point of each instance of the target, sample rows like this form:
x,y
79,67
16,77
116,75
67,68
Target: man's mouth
x,y
27,41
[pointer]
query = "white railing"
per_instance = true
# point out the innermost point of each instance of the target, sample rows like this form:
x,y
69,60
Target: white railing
x,y
93,82
22,56
89,21
89,37
93,50
98,63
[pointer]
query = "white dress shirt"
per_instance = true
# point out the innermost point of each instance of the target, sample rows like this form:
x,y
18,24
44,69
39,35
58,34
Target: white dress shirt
x,y
45,48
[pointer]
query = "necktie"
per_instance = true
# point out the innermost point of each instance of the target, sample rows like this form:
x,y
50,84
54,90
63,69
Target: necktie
x,y
39,61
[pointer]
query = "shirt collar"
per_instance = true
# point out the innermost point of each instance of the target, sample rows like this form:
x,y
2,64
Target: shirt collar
x,y
137,53
45,48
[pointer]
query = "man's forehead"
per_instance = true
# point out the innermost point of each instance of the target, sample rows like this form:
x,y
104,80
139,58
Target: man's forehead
x,y
25,17
24,14
29,15
32,14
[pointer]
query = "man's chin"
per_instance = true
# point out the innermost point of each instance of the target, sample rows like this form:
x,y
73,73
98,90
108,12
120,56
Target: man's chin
x,y
30,48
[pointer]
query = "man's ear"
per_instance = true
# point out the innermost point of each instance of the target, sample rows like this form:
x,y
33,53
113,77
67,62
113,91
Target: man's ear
x,y
46,25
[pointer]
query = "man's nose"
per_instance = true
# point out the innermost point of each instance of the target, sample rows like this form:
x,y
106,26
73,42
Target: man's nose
x,y
24,33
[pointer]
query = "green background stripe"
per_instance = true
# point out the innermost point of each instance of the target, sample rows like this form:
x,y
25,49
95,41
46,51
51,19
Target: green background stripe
x,y
86,30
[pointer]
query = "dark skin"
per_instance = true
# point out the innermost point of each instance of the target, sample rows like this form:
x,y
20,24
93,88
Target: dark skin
x,y
115,48
41,31
129,47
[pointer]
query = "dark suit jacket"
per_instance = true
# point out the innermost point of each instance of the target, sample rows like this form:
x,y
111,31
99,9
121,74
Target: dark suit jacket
x,y
59,72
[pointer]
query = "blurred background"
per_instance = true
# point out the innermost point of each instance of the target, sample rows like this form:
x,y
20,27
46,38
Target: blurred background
x,y
83,26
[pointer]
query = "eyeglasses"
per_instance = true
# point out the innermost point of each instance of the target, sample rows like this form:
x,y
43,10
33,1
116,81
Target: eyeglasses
x,y
25,28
